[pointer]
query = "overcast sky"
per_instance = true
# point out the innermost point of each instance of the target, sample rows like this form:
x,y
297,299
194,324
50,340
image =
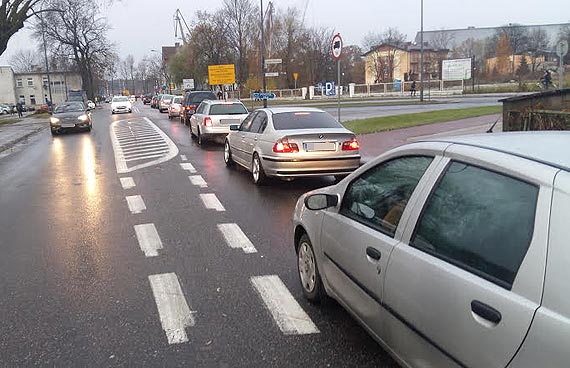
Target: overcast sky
x,y
141,25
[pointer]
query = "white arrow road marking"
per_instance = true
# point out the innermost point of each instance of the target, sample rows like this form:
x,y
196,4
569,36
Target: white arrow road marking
x,y
211,202
287,313
188,166
148,238
173,310
136,204
198,180
235,237
183,157
127,183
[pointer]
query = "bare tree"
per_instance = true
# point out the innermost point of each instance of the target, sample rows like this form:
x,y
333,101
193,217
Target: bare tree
x,y
288,31
25,60
371,40
13,14
442,39
537,45
75,28
240,15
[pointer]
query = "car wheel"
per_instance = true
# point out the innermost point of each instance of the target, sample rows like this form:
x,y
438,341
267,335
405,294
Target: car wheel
x,y
54,132
228,155
309,277
257,170
201,139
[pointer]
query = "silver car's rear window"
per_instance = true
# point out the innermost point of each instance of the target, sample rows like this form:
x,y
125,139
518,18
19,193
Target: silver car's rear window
x,y
304,120
228,109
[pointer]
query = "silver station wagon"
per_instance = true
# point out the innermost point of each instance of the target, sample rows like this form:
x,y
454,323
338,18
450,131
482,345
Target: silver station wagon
x,y
292,142
451,253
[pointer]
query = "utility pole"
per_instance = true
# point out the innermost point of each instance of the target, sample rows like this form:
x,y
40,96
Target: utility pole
x,y
422,53
263,56
46,61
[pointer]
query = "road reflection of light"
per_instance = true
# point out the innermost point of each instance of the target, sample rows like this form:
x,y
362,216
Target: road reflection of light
x,y
88,166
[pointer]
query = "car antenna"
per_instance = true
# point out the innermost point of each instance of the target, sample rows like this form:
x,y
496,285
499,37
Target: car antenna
x,y
490,130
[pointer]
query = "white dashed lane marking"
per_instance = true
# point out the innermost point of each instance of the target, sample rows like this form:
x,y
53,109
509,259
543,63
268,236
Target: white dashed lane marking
x,y
183,157
148,239
136,204
198,180
235,237
287,313
211,202
139,143
188,166
173,310
127,183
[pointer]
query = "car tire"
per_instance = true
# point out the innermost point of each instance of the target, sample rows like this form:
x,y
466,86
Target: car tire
x,y
308,271
257,172
228,154
200,138
54,132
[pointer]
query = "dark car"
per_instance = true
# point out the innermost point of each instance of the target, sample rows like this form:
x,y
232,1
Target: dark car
x,y
190,103
154,101
70,115
146,99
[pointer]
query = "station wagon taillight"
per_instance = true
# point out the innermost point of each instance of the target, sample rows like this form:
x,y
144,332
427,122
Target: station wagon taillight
x,y
283,146
208,121
351,145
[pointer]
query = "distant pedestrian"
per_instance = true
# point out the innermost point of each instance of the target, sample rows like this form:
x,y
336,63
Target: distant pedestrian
x,y
413,88
220,94
20,109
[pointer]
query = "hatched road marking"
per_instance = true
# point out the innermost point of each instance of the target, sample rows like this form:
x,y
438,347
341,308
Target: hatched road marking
x,y
139,143
211,202
148,238
287,313
236,238
173,310
136,204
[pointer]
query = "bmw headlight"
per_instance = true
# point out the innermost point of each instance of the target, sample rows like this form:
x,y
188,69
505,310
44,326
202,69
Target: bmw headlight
x,y
54,121
83,118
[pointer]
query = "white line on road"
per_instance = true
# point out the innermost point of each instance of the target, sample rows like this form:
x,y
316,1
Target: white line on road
x,y
148,238
136,204
287,313
211,202
198,180
183,157
188,166
173,310
127,182
236,238
144,158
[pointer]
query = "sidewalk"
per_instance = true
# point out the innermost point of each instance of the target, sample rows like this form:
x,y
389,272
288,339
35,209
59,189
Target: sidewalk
x,y
12,134
374,144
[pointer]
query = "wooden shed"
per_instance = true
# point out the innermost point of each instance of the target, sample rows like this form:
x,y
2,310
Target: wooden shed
x,y
549,110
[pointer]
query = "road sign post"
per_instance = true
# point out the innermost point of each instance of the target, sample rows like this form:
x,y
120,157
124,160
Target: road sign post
x,y
561,51
336,52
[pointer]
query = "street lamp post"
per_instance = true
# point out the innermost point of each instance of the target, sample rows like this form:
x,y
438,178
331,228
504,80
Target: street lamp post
x,y
46,61
422,52
263,56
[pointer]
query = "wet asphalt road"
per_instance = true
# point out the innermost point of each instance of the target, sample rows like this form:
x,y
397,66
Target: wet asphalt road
x,y
74,281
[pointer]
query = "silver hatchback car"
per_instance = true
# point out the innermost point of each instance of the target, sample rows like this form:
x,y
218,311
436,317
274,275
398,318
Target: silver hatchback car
x,y
289,142
451,253
213,118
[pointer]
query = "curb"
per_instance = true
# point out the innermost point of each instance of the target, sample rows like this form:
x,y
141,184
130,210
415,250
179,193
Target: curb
x,y
9,145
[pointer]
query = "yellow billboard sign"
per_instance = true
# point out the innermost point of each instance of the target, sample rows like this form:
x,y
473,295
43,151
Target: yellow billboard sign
x,y
221,74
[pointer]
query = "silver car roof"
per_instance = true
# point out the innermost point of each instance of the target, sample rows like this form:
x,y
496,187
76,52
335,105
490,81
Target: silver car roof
x,y
277,110
548,147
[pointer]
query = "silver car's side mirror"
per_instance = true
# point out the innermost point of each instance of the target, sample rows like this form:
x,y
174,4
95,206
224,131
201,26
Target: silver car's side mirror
x,y
320,201
234,127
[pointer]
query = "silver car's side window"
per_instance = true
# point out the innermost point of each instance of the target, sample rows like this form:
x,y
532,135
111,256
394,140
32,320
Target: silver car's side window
x,y
379,196
258,122
479,220
246,123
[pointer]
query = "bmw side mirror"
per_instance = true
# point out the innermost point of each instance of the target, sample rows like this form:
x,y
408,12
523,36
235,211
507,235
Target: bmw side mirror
x,y
317,202
234,127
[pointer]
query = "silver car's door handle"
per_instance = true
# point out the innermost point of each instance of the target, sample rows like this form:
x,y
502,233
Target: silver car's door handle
x,y
373,253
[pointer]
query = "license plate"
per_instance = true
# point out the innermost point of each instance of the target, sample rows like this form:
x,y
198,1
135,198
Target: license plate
x,y
229,121
320,146
68,125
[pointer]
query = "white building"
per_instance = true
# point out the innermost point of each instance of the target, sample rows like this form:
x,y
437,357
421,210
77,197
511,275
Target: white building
x,y
31,88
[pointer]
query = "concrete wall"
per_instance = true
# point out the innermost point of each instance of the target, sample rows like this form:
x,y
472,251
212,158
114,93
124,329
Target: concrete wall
x,y
7,91
32,88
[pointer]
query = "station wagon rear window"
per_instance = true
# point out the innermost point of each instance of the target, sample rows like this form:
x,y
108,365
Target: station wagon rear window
x,y
304,120
228,109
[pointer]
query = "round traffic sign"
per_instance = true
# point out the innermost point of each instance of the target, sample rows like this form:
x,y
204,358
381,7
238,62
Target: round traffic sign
x,y
336,46
562,48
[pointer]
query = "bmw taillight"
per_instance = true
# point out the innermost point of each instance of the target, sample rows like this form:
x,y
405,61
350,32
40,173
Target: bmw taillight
x,y
351,145
283,146
208,121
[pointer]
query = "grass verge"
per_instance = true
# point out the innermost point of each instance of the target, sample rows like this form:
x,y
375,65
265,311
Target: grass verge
x,y
43,115
373,125
7,121
343,103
